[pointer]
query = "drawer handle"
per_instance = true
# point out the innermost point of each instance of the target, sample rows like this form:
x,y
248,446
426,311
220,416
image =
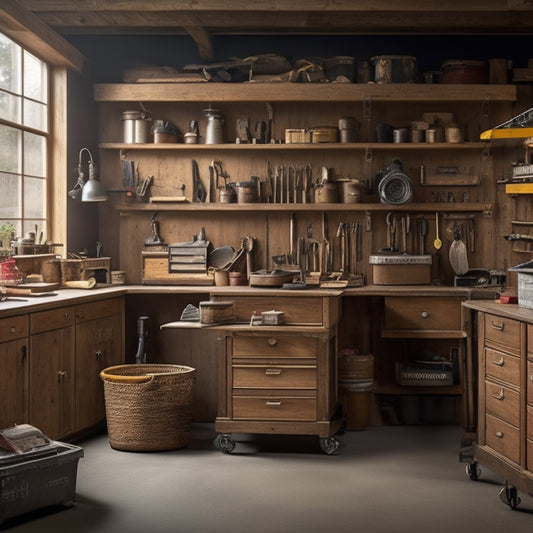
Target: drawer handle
x,y
499,327
272,341
499,434
273,403
13,329
67,316
424,314
501,362
500,395
273,371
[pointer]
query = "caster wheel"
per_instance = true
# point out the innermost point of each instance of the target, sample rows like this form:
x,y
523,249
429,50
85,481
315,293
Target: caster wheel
x,y
329,445
509,496
473,471
226,443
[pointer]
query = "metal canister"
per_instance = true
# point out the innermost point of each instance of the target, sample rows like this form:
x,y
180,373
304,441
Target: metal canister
x,y
136,126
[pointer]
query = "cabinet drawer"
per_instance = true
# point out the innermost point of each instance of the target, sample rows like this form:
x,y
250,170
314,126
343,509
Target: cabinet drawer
x,y
100,309
12,328
274,408
274,377
422,313
50,320
503,331
503,438
502,366
503,402
529,455
297,310
274,346
530,382
530,422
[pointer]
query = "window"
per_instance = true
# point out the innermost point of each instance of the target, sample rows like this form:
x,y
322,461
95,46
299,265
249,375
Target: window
x,y
24,128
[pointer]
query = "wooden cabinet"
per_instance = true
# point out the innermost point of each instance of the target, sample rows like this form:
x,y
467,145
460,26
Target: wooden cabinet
x,y
424,333
99,344
280,379
14,367
52,365
50,362
439,171
505,395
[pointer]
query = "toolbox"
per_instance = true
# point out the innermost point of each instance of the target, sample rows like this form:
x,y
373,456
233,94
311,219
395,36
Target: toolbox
x,y
401,269
188,257
35,472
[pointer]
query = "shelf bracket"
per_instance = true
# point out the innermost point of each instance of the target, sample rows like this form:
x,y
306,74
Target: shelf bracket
x,y
487,210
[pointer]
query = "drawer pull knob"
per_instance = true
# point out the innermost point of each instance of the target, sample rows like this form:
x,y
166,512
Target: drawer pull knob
x,y
13,329
273,371
499,327
500,395
424,314
499,434
273,403
67,316
272,341
500,362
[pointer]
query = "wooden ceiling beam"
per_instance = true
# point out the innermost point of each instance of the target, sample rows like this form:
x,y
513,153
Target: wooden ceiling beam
x,y
203,41
30,32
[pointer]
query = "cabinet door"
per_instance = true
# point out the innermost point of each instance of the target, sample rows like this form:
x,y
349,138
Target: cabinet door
x,y
14,382
99,345
52,381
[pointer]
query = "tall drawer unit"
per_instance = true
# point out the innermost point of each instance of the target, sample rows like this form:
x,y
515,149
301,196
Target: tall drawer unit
x,y
280,379
501,419
504,443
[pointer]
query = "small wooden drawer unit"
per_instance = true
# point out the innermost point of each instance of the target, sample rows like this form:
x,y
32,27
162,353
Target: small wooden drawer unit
x,y
280,379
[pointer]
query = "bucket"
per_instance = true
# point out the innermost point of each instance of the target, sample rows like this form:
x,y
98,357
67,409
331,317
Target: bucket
x,y
356,398
355,367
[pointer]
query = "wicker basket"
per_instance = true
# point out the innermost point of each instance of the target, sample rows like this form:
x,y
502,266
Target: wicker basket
x,y
148,407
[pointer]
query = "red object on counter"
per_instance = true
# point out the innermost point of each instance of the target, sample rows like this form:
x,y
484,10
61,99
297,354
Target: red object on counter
x,y
508,299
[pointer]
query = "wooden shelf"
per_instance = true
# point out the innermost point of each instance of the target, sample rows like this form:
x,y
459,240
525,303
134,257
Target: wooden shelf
x,y
304,146
396,390
422,334
300,92
251,207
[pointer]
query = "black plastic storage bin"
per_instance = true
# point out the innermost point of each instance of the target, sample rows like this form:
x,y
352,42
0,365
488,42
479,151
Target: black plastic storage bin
x,y
35,472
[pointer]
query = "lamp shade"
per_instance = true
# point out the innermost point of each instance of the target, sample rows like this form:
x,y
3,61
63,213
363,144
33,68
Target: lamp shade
x,y
93,191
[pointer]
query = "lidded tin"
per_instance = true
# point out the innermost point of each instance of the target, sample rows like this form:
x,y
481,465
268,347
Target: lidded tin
x,y
136,126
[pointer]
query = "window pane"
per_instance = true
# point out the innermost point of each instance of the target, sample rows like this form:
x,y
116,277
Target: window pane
x,y
10,152
10,196
10,107
35,115
35,78
36,226
34,198
34,155
10,65
8,229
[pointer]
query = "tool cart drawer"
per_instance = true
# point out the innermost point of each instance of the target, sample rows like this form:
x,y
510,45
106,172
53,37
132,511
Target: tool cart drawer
x,y
297,310
503,437
422,313
503,402
281,407
274,377
274,345
504,332
502,366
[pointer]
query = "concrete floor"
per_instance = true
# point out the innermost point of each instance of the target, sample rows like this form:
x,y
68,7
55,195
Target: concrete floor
x,y
391,479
